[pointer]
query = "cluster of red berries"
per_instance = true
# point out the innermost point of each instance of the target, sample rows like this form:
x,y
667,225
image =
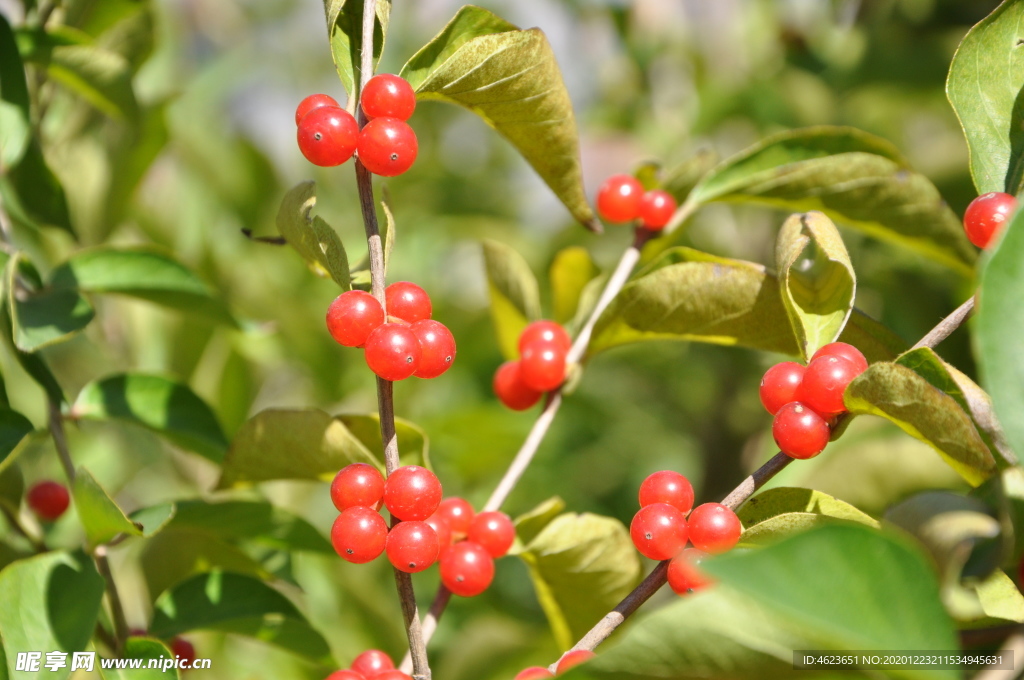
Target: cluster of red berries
x,y
372,664
431,529
543,348
622,199
410,343
328,135
986,215
804,399
568,660
661,529
48,500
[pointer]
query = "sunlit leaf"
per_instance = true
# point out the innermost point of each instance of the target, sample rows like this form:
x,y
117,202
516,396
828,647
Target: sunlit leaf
x,y
515,299
146,649
778,512
101,518
314,240
571,271
345,31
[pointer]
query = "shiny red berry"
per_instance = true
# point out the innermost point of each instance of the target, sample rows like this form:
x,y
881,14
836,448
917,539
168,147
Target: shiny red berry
x,y
407,301
353,316
714,528
412,546
393,351
443,530
618,199
656,209
544,330
345,674
573,659
183,649
388,95
684,574
846,351
359,535
48,500
493,531
467,569
823,384
313,101
387,146
542,365
458,513
372,663
986,215
668,487
412,493
437,346
659,531
534,673
357,484
779,384
510,388
327,136
799,432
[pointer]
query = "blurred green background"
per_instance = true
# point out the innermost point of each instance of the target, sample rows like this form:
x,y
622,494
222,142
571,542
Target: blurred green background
x,y
213,152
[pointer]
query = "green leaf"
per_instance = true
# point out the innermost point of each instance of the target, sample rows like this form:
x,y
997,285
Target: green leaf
x,y
345,31
680,180
49,602
174,555
413,445
389,233
998,323
32,363
101,518
508,77
154,519
258,521
1000,601
314,240
144,648
855,178
287,444
571,271
984,85
32,195
818,283
239,604
42,316
781,511
12,487
581,566
168,408
515,299
14,427
142,273
902,396
15,120
531,523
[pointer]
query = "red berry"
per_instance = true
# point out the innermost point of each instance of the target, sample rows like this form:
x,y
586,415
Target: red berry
x,y
393,351
534,673
548,331
353,316
345,675
714,528
327,136
407,301
510,388
572,659
388,95
372,663
779,385
412,493
848,352
659,531
443,530
985,216
359,535
387,146
182,648
656,209
668,487
542,365
683,574
458,513
412,546
493,531
823,384
618,199
467,569
48,500
800,432
437,347
357,484
392,675
313,101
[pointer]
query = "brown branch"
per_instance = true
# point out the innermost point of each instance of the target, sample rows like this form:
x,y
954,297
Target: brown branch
x,y
946,327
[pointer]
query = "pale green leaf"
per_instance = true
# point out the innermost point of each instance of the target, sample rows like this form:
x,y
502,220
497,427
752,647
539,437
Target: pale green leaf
x,y
781,511
314,240
101,518
515,298
571,271
256,521
345,31
531,523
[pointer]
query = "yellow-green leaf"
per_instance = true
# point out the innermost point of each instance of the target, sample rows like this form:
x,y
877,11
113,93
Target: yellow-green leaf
x,y
570,273
515,299
314,239
345,31
99,514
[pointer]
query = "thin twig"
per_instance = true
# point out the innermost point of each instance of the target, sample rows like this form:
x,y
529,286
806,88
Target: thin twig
x,y
60,439
946,327
116,609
